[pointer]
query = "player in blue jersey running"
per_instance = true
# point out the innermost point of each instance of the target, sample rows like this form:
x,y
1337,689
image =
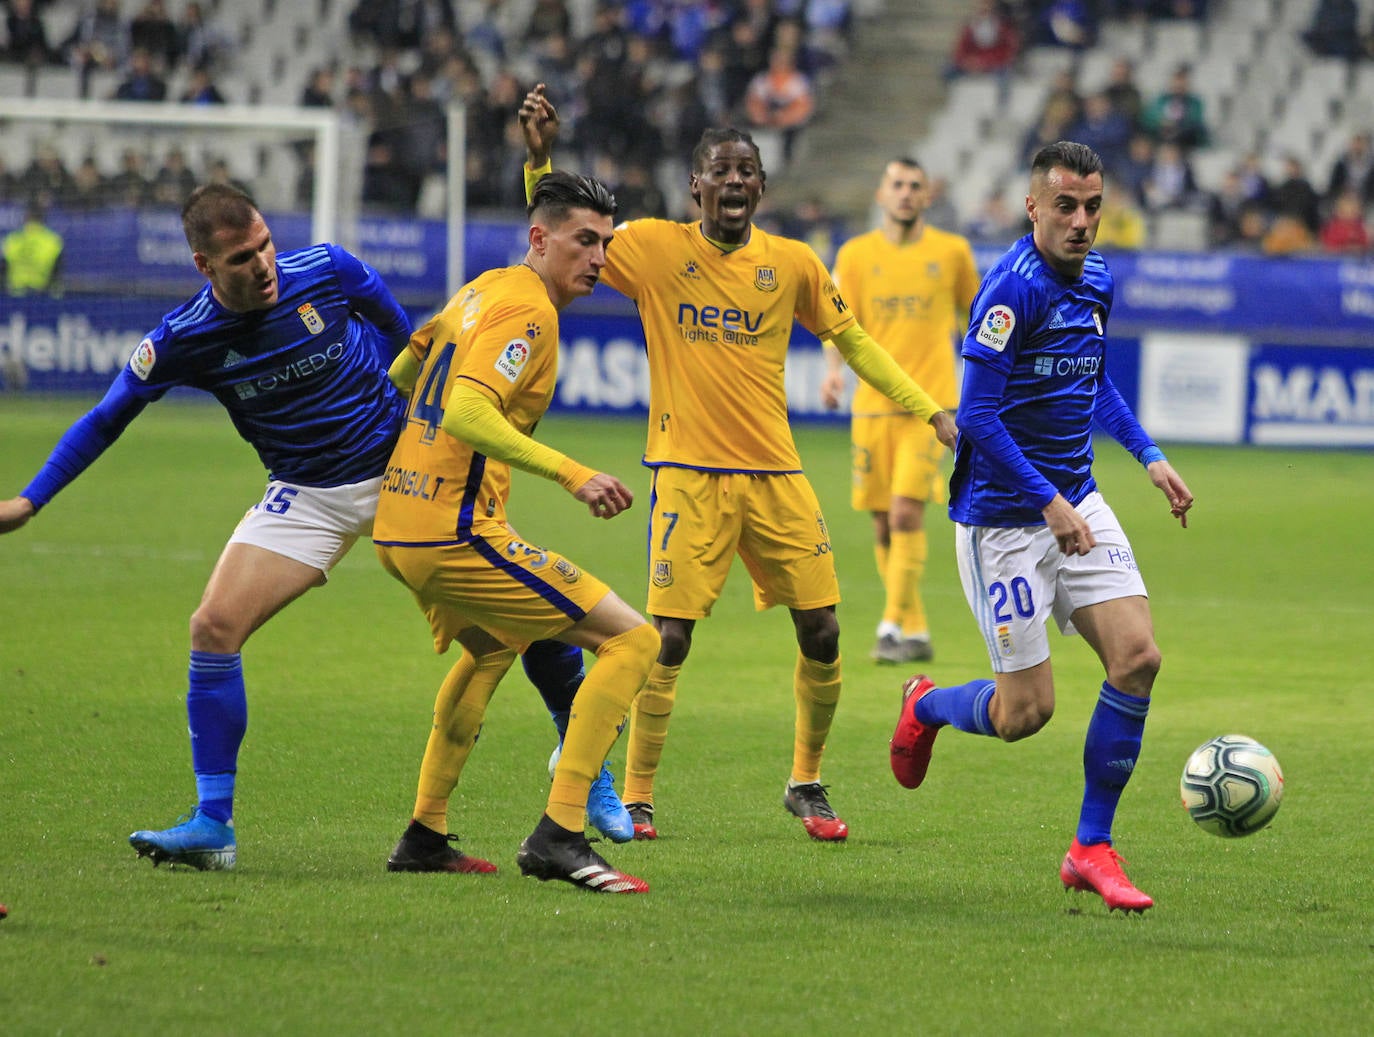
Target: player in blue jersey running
x,y
1034,536
296,348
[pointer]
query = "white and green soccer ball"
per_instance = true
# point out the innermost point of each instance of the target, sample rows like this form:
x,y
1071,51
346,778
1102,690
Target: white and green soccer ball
x,y
1232,786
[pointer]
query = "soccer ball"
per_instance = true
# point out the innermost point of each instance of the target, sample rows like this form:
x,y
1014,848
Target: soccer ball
x,y
1232,786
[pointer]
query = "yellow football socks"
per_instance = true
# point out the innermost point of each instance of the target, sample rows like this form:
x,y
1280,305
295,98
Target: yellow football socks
x,y
622,663
817,690
648,731
906,567
458,711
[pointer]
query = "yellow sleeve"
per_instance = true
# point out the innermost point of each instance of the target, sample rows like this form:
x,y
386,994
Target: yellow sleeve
x,y
875,365
472,416
533,176
404,370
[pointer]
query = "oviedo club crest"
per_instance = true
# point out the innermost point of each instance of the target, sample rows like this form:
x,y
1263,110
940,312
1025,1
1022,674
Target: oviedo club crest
x,y
313,322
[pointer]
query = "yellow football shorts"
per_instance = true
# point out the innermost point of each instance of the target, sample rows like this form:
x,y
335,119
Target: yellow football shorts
x,y
515,591
701,520
895,455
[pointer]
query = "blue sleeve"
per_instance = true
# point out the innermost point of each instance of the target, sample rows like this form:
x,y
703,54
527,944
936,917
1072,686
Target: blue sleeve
x,y
1113,414
979,421
370,297
86,440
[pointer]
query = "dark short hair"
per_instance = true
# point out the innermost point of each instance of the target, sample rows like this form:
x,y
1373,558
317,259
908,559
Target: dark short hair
x,y
560,192
211,207
723,135
905,160
1066,154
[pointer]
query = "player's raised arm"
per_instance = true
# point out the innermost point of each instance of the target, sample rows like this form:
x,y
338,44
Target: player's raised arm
x,y
539,125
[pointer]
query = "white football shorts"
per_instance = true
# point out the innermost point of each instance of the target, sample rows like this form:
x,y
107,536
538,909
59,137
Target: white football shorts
x,y
311,524
1015,578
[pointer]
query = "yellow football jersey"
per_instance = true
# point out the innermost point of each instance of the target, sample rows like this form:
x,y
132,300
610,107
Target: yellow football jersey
x,y
717,325
909,298
501,332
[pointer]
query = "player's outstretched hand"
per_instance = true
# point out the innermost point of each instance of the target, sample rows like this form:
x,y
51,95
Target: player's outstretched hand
x,y
14,513
945,428
539,125
1162,474
605,495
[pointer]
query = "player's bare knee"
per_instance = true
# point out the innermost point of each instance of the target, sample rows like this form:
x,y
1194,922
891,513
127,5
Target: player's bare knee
x,y
674,644
1136,674
818,634
215,631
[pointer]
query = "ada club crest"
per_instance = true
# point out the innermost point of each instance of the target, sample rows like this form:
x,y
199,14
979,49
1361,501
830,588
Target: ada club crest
x,y
765,279
996,328
313,322
663,574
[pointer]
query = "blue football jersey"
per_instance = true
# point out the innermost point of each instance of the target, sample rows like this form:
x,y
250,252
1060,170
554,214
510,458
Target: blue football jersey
x,y
1044,335
305,381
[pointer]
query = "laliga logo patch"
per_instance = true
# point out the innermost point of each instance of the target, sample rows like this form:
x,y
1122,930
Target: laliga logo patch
x,y
313,322
512,359
995,331
143,359
765,279
663,574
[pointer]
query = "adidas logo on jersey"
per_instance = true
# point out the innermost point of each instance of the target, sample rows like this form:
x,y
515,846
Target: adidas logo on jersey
x,y
233,358
1057,321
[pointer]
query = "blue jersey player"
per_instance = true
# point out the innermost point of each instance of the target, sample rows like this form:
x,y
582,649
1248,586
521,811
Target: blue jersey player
x,y
296,348
1034,536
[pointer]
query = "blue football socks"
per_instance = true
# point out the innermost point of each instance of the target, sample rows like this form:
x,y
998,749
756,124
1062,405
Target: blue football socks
x,y
556,670
964,706
1110,751
217,712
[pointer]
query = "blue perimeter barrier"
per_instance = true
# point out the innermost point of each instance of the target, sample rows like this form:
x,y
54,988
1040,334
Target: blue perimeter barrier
x,y
1207,348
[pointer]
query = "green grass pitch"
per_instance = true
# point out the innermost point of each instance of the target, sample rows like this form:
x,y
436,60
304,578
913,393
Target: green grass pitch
x,y
942,914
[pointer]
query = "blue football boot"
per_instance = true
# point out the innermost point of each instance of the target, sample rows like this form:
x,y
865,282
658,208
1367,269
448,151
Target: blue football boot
x,y
196,840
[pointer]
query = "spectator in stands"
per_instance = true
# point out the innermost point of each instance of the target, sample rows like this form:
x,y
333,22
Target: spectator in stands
x,y
989,42
131,186
1287,235
32,255
142,83
9,181
1063,92
828,26
713,88
1067,23
153,31
1295,196
1345,231
174,181
201,89
1121,89
781,99
26,36
87,193
218,172
46,181
1254,225
1056,119
1122,226
484,35
98,41
1170,184
1334,31
941,211
995,223
388,186
319,89
423,126
1177,115
402,24
1225,209
1135,167
636,192
1354,169
1105,130
1256,183
200,44
746,55
548,18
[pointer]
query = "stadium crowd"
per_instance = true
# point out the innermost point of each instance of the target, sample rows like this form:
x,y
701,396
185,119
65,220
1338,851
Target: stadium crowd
x,y
636,81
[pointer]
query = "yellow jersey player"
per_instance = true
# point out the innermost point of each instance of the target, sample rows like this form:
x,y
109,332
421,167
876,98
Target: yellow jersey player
x,y
717,298
480,375
909,284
